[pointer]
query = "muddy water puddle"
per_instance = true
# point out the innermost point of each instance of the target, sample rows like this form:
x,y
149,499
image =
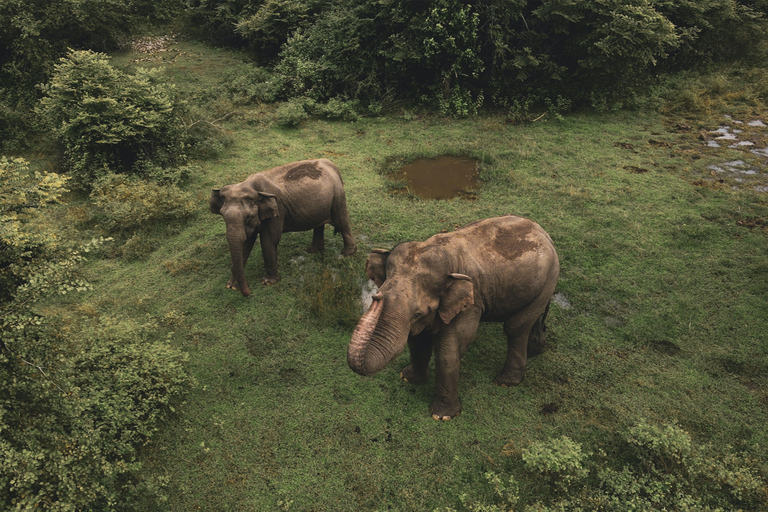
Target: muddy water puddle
x,y
440,178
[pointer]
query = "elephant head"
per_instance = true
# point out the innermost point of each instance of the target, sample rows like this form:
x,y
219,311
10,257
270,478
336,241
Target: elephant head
x,y
417,292
243,208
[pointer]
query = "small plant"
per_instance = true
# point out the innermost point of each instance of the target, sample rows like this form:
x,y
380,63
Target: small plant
x,y
664,448
292,112
561,461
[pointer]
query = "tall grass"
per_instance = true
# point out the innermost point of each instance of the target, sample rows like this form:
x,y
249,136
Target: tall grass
x,y
666,283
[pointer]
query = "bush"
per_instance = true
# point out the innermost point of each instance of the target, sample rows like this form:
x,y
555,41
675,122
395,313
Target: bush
x,y
124,204
293,112
110,121
246,84
33,35
74,406
27,248
73,414
454,54
662,469
561,461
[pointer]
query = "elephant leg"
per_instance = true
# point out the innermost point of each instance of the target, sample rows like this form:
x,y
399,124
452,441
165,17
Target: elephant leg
x,y
518,330
450,346
340,221
420,347
318,240
269,243
536,339
247,248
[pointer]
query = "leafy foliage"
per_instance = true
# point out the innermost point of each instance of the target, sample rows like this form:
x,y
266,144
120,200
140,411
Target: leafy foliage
x,y
663,469
73,409
128,203
454,54
25,248
109,120
33,35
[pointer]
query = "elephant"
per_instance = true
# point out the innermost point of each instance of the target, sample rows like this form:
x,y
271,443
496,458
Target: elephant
x,y
297,196
432,295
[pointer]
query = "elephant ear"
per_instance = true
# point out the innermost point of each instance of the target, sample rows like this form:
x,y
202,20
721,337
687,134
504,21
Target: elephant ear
x,y
457,296
215,202
267,205
376,266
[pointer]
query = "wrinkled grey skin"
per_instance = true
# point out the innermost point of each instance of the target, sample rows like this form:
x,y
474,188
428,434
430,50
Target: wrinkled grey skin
x,y
298,196
433,295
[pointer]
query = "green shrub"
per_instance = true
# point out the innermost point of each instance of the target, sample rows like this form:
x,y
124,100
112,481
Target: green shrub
x,y
661,469
74,413
561,461
124,204
452,53
246,84
74,405
27,248
292,112
664,448
110,121
35,34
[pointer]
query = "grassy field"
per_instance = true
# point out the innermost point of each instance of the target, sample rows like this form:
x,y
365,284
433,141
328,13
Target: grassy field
x,y
661,311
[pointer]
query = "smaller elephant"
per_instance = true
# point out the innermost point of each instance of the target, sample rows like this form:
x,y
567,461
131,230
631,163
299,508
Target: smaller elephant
x,y
298,196
432,296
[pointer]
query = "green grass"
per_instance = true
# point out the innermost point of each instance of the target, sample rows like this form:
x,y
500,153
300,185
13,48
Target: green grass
x,y
668,322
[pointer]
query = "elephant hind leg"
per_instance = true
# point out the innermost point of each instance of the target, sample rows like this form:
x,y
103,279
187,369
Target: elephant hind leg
x,y
536,339
518,329
318,240
340,223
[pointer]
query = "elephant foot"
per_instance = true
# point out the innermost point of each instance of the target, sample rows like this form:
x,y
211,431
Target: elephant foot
x,y
270,280
312,249
510,378
349,251
444,412
410,375
231,285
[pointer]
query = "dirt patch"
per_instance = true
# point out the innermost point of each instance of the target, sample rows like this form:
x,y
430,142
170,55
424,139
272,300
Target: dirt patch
x,y
550,408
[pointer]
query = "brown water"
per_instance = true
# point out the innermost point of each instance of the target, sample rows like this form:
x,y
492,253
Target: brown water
x,y
440,178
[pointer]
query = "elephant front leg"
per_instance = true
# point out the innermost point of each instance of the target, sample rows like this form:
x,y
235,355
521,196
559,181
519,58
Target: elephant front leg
x,y
318,240
420,347
247,249
269,253
446,404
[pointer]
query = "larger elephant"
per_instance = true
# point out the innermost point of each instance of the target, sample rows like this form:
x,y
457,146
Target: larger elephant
x,y
432,295
298,196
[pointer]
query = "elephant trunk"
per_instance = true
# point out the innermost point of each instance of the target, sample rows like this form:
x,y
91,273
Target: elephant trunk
x,y
236,240
376,340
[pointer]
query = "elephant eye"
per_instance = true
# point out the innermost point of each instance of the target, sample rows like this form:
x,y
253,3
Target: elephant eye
x,y
417,314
